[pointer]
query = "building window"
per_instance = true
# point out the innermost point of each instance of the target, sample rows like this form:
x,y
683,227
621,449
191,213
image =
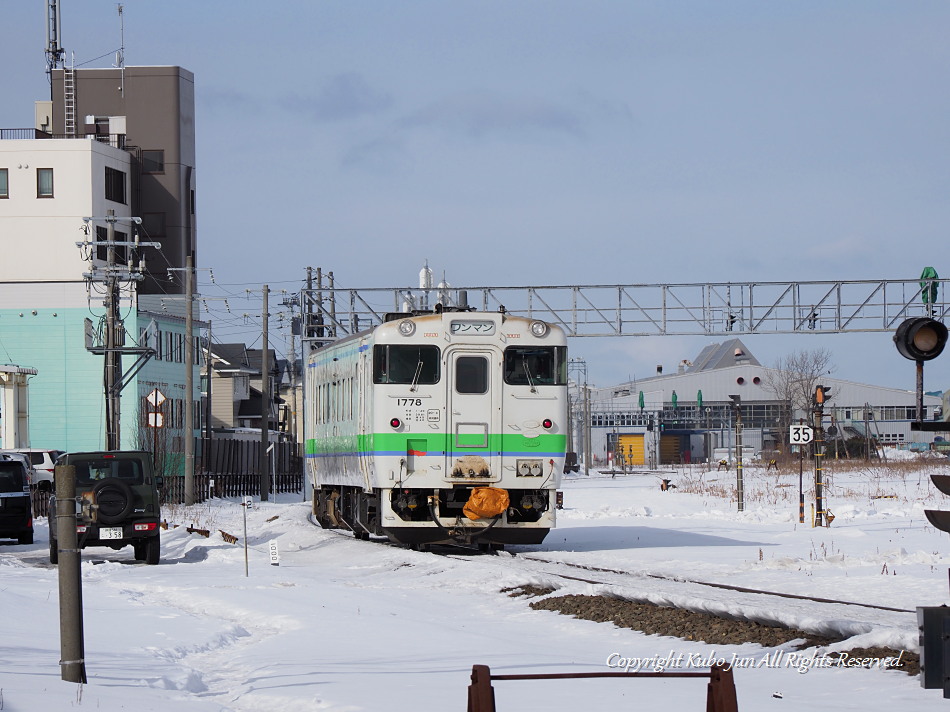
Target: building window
x,y
153,161
4,183
44,182
102,251
115,185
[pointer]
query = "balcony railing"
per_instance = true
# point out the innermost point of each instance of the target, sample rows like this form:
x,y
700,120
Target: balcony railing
x,y
114,140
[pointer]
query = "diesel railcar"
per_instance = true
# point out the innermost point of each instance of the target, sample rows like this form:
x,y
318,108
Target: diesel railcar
x,y
442,427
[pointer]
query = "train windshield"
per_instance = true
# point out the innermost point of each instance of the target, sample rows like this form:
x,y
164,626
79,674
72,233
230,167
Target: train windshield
x,y
406,364
536,365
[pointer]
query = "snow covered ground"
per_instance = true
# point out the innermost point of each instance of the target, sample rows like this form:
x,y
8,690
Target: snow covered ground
x,y
341,624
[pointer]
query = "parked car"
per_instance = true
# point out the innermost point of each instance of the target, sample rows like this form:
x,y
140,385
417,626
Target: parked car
x,y
120,502
16,507
43,462
25,459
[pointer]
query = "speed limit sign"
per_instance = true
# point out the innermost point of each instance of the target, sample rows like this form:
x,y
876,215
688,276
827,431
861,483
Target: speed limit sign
x,y
800,434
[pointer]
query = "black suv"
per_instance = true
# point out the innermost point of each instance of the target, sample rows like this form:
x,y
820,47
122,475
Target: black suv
x,y
120,502
16,507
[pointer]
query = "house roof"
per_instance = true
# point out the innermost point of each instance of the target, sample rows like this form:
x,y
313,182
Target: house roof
x,y
729,353
239,358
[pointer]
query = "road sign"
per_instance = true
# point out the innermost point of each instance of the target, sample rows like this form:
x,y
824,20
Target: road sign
x,y
800,434
156,420
156,397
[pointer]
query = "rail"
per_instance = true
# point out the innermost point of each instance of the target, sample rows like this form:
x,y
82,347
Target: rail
x,y
720,691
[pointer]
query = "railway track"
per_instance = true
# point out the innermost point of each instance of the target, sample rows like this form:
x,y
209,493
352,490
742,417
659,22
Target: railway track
x,y
814,614
727,587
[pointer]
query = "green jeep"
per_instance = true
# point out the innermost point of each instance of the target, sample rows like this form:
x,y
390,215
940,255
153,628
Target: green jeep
x,y
120,503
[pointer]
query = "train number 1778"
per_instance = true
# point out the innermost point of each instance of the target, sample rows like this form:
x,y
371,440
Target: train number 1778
x,y
408,401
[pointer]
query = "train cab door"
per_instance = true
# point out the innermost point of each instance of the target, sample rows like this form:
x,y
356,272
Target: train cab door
x,y
473,416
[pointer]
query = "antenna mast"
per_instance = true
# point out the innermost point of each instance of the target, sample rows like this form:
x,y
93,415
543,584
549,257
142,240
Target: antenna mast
x,y
54,52
120,55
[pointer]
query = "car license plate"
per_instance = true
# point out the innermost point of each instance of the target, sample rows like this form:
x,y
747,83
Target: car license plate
x,y
110,533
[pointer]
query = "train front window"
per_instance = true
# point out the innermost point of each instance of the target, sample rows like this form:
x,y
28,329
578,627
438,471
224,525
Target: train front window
x,y
536,365
471,374
406,364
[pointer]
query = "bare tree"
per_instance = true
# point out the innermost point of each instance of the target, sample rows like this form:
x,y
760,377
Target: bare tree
x,y
793,381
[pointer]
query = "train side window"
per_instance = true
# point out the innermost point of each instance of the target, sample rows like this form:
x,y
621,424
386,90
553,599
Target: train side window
x,y
471,374
536,365
406,364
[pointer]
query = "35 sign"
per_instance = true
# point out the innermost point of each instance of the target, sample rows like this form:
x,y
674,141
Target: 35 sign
x,y
800,434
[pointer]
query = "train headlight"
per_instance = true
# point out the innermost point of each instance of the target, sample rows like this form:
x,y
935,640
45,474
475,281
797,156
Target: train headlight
x,y
394,423
547,423
407,327
539,328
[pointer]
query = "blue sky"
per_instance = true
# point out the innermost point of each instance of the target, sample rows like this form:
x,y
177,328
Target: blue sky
x,y
521,142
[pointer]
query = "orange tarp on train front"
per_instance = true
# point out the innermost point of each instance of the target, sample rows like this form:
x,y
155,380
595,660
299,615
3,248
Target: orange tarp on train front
x,y
486,502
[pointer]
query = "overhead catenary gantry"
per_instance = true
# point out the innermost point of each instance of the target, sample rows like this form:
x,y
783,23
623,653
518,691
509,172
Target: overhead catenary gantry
x,y
700,309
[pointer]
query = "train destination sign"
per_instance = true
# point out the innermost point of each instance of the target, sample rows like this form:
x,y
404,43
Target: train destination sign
x,y
482,327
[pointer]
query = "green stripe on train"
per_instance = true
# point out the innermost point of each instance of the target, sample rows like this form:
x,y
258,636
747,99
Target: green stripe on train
x,y
437,442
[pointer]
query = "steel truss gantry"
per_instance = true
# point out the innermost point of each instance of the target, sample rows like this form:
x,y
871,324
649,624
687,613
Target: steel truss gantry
x,y
710,309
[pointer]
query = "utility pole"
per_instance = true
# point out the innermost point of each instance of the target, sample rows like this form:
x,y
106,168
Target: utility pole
x,y
189,381
320,333
113,358
112,345
588,451
71,646
801,484
740,494
332,305
818,444
308,311
208,365
293,302
265,406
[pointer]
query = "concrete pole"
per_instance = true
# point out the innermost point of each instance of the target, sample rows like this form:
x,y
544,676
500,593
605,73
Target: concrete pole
x,y
265,406
189,383
588,449
72,656
113,361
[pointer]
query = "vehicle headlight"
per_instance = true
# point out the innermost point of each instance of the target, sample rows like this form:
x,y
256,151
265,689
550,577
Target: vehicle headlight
x,y
407,327
539,328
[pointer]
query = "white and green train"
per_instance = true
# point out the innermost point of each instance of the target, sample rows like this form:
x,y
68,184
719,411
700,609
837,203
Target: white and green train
x,y
443,427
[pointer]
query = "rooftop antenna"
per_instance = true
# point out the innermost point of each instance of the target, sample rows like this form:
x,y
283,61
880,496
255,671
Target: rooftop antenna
x,y
54,52
120,54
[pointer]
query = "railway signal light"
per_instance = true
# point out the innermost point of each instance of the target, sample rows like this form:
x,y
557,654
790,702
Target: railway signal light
x,y
920,338
939,518
933,627
821,394
933,622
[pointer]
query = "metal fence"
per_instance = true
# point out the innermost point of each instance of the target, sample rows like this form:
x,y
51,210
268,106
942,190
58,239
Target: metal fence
x,y
228,468
229,485
720,690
